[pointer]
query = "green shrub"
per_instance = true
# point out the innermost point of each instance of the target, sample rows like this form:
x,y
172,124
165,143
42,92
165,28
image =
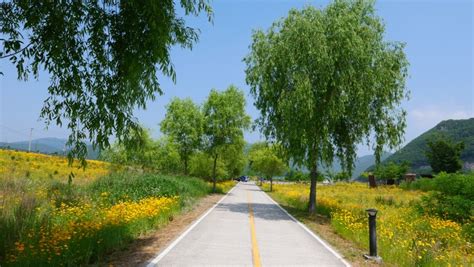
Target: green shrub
x,y
22,222
454,208
296,175
201,164
452,197
423,184
468,231
385,200
136,187
391,170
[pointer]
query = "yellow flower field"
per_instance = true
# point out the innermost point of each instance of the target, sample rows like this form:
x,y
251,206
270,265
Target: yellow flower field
x,y
224,186
405,238
72,226
44,221
17,164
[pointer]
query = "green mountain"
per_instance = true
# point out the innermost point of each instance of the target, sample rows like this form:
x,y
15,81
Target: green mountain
x,y
456,130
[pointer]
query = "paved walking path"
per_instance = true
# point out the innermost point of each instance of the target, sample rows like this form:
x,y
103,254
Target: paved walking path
x,y
247,229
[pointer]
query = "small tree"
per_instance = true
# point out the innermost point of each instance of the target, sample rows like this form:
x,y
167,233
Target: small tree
x,y
391,170
224,122
183,123
444,155
147,154
166,156
266,162
137,151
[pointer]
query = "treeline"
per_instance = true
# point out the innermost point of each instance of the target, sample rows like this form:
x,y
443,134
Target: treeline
x,y
200,140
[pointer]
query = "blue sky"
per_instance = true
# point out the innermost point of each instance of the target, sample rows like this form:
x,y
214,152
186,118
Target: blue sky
x,y
438,34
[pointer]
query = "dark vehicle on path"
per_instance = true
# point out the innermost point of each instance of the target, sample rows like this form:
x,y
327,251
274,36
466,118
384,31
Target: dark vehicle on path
x,y
244,178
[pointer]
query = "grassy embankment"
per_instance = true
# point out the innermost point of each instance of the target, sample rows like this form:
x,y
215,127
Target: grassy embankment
x,y
46,222
406,237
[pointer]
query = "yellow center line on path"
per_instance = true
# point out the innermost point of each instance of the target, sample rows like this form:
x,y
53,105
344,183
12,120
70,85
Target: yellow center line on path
x,y
253,235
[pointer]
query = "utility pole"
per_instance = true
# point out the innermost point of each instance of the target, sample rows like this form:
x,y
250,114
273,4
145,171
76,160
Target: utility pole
x,y
29,144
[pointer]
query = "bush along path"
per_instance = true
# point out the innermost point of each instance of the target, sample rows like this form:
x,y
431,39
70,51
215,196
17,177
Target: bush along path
x,y
97,218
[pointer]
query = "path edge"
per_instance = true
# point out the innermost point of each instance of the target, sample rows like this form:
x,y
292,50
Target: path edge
x,y
152,262
314,235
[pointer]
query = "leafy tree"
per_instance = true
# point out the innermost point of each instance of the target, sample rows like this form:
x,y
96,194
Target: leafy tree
x,y
325,81
138,152
267,163
224,122
183,123
103,58
234,158
201,165
166,157
444,155
391,170
147,154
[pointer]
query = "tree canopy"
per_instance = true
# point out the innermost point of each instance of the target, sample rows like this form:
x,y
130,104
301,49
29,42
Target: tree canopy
x,y
103,58
444,155
325,81
224,122
183,123
266,161
147,154
391,170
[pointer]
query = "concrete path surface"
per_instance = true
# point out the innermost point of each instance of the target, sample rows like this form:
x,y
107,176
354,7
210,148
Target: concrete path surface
x,y
247,228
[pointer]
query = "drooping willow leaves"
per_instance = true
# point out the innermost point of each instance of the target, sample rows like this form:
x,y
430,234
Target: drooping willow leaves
x,y
104,58
326,80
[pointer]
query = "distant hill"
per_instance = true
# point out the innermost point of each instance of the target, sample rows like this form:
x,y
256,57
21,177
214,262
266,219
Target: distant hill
x,y
361,164
49,145
365,162
456,130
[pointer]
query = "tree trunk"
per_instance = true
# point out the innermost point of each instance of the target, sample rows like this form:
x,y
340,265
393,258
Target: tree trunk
x,y
186,166
271,184
312,191
214,178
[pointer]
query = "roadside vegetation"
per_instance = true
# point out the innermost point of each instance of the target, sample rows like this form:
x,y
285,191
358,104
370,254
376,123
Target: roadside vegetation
x,y
421,222
44,221
407,235
324,81
54,214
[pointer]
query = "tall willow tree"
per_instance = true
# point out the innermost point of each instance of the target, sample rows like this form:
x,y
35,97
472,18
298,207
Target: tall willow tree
x,y
325,81
103,58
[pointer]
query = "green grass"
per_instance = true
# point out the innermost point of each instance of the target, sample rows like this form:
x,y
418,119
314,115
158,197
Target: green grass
x,y
36,220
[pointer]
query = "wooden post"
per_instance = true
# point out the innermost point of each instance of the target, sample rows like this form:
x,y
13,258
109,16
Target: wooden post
x,y
410,177
372,182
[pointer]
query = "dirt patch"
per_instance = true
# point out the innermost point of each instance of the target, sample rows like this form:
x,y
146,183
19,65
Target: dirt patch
x,y
146,247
